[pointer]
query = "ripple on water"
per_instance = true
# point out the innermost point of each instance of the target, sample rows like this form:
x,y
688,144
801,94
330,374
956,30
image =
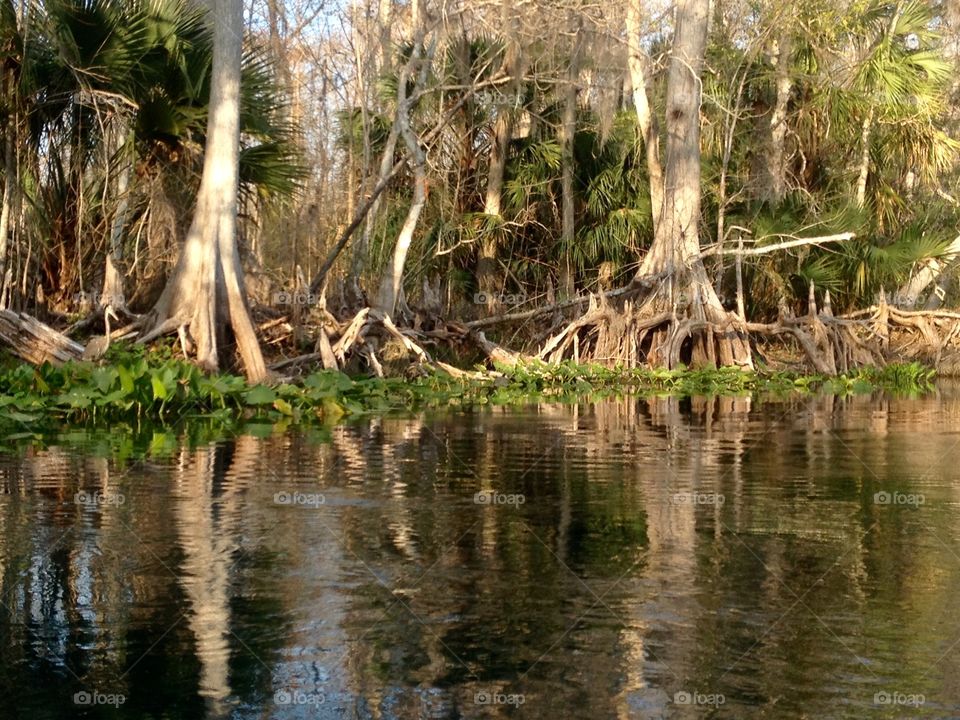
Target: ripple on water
x,y
662,551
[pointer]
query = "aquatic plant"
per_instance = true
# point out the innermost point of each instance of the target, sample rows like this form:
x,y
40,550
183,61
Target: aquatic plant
x,y
154,388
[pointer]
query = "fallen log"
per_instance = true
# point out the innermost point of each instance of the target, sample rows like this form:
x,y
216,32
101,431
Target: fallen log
x,y
495,352
36,342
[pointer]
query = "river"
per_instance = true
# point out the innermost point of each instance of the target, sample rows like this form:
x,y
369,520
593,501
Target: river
x,y
624,558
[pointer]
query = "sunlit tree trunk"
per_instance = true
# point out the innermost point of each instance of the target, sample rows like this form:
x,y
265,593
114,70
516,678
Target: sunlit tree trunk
x,y
675,253
645,118
568,130
6,211
113,285
773,182
392,279
206,290
863,167
487,276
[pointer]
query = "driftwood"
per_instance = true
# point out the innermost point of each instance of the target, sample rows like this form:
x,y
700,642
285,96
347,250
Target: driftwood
x,y
263,327
496,353
35,341
354,333
325,349
370,353
361,336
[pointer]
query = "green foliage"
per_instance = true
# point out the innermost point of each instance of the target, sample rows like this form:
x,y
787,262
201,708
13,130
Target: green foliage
x,y
573,378
150,388
353,129
614,218
872,62
100,86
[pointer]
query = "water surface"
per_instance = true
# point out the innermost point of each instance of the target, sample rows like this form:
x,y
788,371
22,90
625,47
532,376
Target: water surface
x,y
630,558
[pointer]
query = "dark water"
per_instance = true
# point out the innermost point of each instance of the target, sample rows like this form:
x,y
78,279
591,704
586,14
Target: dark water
x,y
637,559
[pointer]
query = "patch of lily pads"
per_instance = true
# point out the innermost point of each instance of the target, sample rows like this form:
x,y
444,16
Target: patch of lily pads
x,y
150,389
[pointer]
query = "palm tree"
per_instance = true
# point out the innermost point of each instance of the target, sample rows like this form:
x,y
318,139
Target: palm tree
x,y
891,73
105,86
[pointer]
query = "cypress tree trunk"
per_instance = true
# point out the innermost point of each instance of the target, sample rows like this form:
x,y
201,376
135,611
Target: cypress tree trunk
x,y
675,253
488,278
773,182
206,292
568,130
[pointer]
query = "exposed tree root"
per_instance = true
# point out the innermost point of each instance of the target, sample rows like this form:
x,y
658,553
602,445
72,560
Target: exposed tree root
x,y
650,334
636,336
632,334
628,335
366,336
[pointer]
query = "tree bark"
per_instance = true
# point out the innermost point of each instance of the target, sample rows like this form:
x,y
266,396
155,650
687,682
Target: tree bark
x,y
206,290
863,168
363,247
568,131
677,238
392,280
6,211
773,182
488,278
645,118
676,246
113,285
385,23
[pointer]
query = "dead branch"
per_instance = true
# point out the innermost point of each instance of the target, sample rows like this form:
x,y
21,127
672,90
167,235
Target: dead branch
x,y
798,242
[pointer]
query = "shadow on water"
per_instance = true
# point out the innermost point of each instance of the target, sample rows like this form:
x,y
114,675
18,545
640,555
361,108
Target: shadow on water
x,y
630,558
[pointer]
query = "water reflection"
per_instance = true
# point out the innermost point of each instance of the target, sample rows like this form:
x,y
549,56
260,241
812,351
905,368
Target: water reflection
x,y
632,558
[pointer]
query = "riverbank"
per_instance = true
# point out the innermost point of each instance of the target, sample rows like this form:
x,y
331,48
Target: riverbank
x,y
157,390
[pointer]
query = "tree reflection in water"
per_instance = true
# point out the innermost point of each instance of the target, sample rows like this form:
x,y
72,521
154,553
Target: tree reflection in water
x,y
624,557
